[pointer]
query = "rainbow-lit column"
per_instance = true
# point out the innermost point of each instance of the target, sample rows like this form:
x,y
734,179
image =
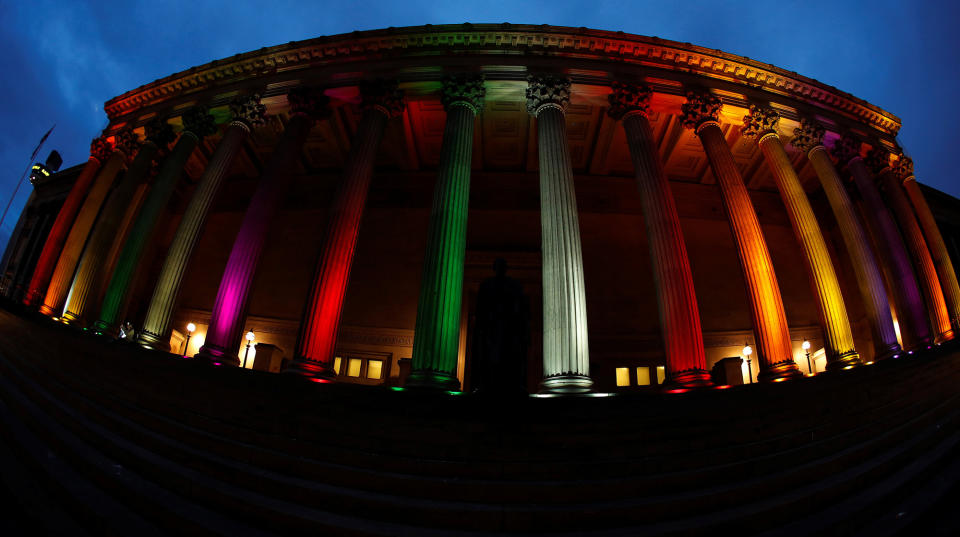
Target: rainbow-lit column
x,y
381,100
197,123
100,151
891,253
566,355
879,162
775,356
226,320
85,286
938,250
247,113
761,124
56,292
679,315
437,333
809,139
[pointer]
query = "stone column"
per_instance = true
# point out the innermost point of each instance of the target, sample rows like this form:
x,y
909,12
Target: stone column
x,y
938,249
761,124
247,112
809,139
100,151
318,330
197,123
879,161
226,321
891,252
679,315
566,355
56,292
85,288
774,352
437,334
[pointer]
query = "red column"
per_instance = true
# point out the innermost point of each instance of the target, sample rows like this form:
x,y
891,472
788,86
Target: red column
x,y
679,315
100,151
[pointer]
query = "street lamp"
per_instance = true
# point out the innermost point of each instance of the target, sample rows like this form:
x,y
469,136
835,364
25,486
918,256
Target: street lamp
x,y
747,351
806,349
190,328
247,351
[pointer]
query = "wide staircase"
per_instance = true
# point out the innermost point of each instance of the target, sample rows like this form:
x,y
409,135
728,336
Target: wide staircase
x,y
103,438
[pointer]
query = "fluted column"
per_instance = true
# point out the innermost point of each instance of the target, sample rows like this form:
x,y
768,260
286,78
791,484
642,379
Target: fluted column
x,y
223,335
566,355
879,161
676,297
85,286
100,151
318,330
938,249
197,123
247,112
891,253
437,333
809,139
838,337
56,292
775,355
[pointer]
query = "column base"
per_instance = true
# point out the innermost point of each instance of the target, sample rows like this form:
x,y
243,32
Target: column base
x,y
846,360
217,356
69,318
433,380
102,328
566,384
310,369
780,372
156,342
47,310
691,378
944,336
891,351
31,300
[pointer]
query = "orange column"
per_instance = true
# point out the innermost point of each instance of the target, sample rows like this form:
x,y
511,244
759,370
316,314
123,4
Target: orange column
x,y
938,250
774,353
679,315
879,160
838,337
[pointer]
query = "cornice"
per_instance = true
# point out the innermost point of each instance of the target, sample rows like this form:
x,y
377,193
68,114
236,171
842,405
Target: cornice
x,y
499,41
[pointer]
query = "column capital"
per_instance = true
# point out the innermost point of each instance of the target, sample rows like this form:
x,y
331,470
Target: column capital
x,y
760,122
701,108
904,168
127,142
463,90
198,121
878,159
629,99
248,110
159,132
846,148
309,102
547,91
382,95
808,135
100,148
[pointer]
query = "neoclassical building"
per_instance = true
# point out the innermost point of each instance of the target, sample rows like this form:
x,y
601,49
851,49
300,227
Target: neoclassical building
x,y
677,216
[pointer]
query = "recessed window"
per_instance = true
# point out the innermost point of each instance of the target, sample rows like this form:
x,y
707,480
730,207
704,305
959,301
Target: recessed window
x,y
374,369
643,376
353,367
661,374
623,376
337,361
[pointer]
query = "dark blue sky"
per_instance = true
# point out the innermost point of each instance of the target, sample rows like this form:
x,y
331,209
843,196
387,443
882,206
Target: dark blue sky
x,y
63,58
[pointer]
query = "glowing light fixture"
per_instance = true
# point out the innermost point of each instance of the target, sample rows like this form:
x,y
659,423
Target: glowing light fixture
x,y
186,346
747,351
806,349
246,351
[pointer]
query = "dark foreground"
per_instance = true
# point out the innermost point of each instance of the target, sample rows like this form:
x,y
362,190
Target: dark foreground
x,y
106,439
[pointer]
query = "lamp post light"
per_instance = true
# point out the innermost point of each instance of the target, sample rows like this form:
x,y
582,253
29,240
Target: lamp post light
x,y
806,349
246,352
186,346
747,351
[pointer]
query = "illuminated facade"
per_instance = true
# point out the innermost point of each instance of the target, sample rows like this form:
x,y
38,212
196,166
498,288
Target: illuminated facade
x,y
664,206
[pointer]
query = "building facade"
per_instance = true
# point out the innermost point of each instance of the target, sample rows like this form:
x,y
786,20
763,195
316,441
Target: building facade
x,y
664,206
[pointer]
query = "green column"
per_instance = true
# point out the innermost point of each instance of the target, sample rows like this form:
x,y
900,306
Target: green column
x,y
437,333
197,124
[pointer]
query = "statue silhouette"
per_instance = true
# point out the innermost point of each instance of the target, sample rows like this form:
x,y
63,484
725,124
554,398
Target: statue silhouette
x,y
501,336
